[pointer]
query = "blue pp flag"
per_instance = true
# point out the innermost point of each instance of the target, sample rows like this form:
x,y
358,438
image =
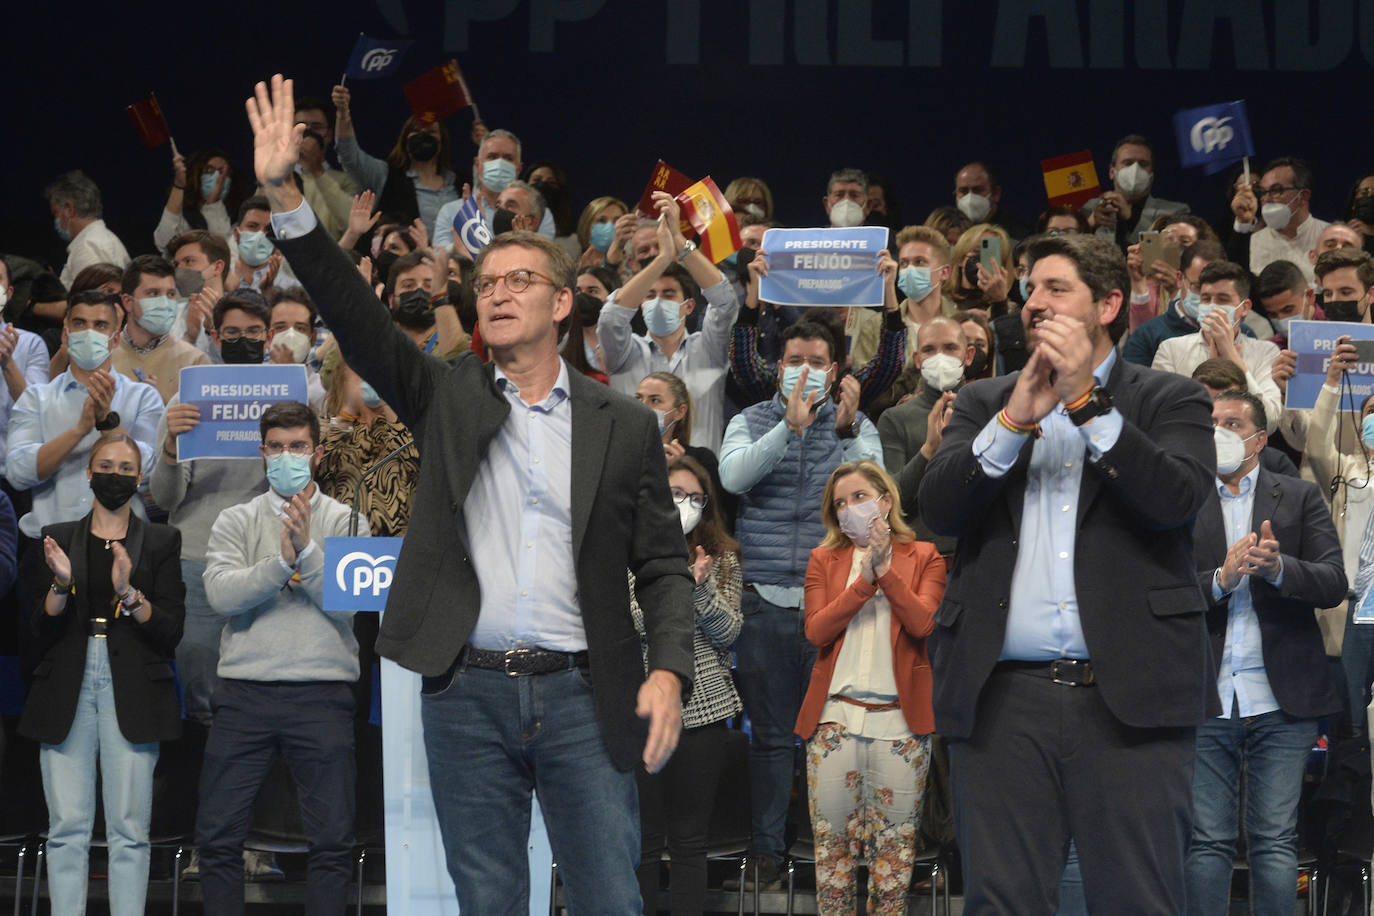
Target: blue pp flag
x,y
469,226
374,58
1213,136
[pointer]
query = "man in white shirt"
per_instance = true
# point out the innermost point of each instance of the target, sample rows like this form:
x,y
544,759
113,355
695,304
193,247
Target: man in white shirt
x,y
75,203
667,292
54,425
1224,289
1283,197
23,361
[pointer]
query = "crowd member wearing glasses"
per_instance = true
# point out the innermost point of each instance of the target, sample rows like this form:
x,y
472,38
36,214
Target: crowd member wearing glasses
x,y
675,804
286,671
1274,220
667,396
539,488
108,619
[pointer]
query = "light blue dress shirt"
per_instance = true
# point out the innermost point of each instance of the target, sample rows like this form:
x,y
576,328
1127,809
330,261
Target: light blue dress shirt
x,y
1042,620
44,412
1240,675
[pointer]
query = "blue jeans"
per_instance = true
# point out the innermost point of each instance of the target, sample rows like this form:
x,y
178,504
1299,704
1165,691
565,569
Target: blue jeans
x,y
1271,750
773,663
126,773
1072,900
491,740
198,651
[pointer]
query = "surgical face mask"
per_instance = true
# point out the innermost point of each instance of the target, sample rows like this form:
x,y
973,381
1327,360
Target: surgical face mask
x,y
1281,325
157,314
661,316
915,282
4,297
846,214
689,514
815,382
1133,180
942,371
1023,284
370,396
603,234
1277,216
1367,431
497,173
1230,449
207,184
62,231
88,349
663,422
975,206
854,520
288,474
1342,310
113,490
242,351
189,281
255,248
298,343
1204,310
755,210
422,146
1190,304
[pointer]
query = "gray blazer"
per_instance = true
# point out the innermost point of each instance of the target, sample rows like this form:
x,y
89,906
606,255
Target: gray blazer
x,y
622,515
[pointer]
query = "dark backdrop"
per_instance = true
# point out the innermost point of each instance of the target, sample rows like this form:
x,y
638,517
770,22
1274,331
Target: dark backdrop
x,y
784,89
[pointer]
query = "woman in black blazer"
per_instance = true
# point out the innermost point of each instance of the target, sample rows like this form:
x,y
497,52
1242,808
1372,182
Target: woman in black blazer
x,y
108,625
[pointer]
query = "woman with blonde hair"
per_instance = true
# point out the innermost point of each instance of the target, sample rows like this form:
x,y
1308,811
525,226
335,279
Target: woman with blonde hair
x,y
972,285
871,594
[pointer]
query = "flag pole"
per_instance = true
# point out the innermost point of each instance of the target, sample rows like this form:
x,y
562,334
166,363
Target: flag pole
x,y
1246,161
462,81
343,80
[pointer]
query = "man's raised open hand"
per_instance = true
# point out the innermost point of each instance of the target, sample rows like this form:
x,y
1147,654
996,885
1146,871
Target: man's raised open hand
x,y
276,141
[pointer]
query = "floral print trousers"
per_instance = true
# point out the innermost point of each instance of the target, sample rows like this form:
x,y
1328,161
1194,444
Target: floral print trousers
x,y
865,800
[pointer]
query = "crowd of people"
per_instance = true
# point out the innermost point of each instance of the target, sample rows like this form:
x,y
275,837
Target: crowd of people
x,y
1043,514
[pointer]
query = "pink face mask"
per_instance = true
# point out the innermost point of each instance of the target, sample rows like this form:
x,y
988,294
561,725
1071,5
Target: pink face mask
x,y
854,520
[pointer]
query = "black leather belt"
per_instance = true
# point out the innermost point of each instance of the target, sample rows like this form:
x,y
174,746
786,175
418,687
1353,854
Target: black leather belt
x,y
98,627
519,662
1071,672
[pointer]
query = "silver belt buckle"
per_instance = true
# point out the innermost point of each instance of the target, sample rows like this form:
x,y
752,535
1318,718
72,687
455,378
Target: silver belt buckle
x,y
513,654
1055,667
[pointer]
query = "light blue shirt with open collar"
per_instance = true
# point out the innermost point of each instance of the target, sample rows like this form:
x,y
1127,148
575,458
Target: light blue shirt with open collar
x,y
1042,620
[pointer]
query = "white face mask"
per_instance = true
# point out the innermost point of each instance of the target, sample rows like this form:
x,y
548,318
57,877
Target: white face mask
x,y
1133,180
975,206
689,514
942,371
755,210
298,342
846,214
1277,216
1230,449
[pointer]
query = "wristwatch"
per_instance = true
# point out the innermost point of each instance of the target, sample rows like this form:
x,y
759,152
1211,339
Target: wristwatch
x,y
1099,402
110,422
686,250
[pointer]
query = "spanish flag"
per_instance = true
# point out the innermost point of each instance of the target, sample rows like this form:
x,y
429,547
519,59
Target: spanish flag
x,y
1070,181
705,208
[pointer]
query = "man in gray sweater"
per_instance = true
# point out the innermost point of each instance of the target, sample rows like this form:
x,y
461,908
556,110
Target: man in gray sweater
x,y
286,670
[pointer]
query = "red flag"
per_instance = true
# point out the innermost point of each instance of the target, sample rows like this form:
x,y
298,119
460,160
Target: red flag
x,y
664,178
437,94
717,229
147,118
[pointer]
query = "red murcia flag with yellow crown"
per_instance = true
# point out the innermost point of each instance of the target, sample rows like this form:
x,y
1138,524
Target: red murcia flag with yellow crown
x,y
437,94
717,229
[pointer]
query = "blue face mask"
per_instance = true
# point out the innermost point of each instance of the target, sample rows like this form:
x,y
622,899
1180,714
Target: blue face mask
x,y
158,314
370,396
1190,304
62,231
288,474
915,282
603,234
497,173
1024,283
1204,310
815,382
255,248
1281,325
730,258
1367,431
88,349
662,316
207,185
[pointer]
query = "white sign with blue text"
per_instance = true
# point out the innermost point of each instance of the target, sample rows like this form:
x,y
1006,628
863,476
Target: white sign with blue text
x,y
231,400
823,267
1314,341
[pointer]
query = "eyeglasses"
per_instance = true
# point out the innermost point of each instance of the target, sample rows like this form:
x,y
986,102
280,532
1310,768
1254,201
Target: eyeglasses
x,y
517,281
697,500
299,447
1274,191
236,333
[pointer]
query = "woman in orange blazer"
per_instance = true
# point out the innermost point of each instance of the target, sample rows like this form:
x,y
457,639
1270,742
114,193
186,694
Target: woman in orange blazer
x,y
871,594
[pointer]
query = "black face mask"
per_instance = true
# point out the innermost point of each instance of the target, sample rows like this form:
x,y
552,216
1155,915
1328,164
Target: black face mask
x,y
502,220
113,490
742,261
413,310
1342,310
589,307
971,272
242,351
975,368
1364,209
422,146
